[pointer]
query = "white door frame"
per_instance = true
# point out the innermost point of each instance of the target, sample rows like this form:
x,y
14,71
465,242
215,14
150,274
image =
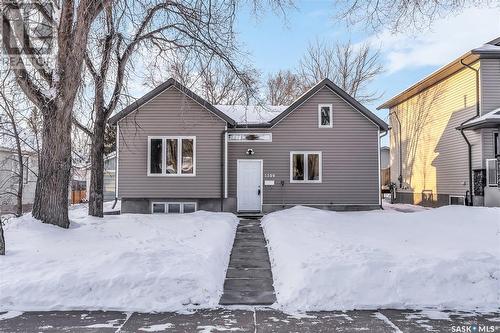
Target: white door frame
x,y
261,181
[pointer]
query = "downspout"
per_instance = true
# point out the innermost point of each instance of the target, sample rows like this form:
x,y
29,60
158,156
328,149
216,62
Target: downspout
x,y
400,177
116,164
469,146
222,168
379,166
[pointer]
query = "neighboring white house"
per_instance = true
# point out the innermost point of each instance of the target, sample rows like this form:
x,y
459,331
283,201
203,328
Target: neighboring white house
x,y
109,177
385,158
9,179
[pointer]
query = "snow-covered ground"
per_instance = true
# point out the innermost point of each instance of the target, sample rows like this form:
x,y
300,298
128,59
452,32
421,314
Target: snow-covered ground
x,y
124,262
444,258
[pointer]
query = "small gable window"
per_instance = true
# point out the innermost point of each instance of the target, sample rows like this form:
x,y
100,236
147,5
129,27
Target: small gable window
x,y
325,116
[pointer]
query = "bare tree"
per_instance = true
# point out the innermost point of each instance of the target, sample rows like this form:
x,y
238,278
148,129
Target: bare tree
x,y
401,15
179,65
412,128
350,66
9,127
283,88
202,28
220,85
209,77
2,238
50,85
17,137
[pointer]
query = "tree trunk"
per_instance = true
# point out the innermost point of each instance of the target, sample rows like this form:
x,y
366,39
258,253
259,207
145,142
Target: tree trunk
x,y
2,241
96,194
51,194
20,178
20,184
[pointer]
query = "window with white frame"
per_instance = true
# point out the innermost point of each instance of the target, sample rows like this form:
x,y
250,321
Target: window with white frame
x,y
305,167
492,172
158,208
173,207
172,156
325,116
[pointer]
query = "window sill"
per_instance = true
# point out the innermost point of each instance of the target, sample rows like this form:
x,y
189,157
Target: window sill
x,y
305,181
170,175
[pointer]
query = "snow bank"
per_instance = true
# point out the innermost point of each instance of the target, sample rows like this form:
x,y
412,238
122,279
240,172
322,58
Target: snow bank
x,y
124,262
447,258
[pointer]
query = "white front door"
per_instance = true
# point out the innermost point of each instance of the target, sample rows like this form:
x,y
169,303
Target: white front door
x,y
249,185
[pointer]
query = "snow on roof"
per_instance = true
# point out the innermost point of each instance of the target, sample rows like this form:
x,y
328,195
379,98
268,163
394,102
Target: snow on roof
x,y
490,117
487,48
251,114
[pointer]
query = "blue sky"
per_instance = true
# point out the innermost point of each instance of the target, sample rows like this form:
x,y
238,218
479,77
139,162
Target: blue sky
x,y
274,43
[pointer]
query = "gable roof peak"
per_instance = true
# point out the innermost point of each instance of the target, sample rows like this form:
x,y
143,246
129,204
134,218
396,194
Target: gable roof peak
x,y
171,82
341,93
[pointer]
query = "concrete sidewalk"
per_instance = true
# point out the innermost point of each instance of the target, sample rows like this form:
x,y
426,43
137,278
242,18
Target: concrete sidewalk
x,y
251,320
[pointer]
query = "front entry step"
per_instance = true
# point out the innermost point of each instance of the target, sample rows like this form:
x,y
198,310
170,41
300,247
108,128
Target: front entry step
x,y
249,280
250,216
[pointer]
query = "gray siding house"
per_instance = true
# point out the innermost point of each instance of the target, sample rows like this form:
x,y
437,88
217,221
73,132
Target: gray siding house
x,y
177,153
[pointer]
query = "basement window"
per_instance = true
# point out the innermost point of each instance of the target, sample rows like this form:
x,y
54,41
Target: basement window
x,y
457,200
173,207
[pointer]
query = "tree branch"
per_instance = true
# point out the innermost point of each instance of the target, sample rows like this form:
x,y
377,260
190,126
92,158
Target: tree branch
x,y
82,127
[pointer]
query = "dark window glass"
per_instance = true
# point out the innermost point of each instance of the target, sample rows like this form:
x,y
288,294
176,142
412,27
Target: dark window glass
x,y
298,166
325,116
155,156
313,167
187,156
457,201
497,145
171,156
174,208
158,208
189,208
491,171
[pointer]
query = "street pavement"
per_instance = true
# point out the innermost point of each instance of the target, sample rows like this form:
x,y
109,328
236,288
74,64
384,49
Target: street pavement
x,y
251,319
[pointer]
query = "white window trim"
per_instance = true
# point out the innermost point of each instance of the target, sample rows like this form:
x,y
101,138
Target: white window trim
x,y
164,156
158,203
306,181
166,203
248,133
455,196
488,172
319,115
